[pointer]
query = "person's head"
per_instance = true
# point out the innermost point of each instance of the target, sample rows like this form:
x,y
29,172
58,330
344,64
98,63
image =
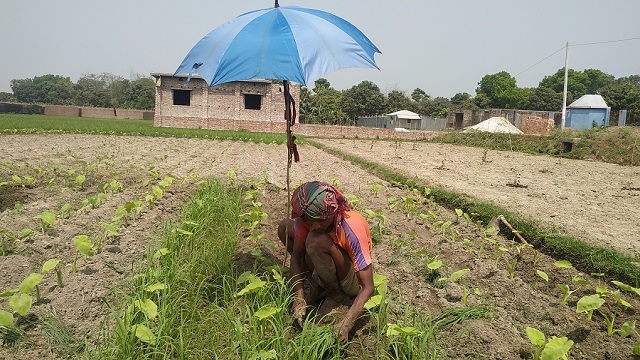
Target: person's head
x,y
319,205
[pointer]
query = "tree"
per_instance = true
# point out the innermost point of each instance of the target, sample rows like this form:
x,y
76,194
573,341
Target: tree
x,y
418,94
6,97
45,89
460,98
576,83
323,107
91,90
596,80
397,100
321,85
140,94
438,107
500,89
364,99
545,99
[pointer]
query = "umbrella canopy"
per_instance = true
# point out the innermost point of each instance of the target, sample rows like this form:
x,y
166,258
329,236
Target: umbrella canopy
x,y
285,43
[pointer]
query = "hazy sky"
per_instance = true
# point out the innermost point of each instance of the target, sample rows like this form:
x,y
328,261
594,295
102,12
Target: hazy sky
x,y
443,47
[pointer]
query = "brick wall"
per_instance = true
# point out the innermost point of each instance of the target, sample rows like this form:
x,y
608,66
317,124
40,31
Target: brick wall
x,y
536,125
59,110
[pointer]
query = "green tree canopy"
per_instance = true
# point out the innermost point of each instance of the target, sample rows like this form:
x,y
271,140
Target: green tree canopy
x,y
364,99
45,89
545,99
418,94
501,90
397,100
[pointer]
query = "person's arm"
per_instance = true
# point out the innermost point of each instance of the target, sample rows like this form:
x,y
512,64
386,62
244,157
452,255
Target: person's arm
x,y
299,306
365,278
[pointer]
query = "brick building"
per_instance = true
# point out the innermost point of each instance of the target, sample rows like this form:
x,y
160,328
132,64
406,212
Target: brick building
x,y
250,105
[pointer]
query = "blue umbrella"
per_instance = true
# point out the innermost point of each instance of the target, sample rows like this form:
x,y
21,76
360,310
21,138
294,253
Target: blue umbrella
x,y
286,43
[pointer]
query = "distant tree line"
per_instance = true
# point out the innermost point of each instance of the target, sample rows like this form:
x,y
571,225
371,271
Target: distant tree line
x,y
326,105
322,104
93,90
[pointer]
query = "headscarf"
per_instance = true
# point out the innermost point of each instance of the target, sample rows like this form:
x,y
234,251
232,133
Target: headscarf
x,y
318,201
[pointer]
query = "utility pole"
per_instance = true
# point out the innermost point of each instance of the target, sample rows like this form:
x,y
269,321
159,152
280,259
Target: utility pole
x,y
564,92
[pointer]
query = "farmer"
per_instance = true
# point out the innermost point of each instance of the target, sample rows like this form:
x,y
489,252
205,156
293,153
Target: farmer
x,y
330,247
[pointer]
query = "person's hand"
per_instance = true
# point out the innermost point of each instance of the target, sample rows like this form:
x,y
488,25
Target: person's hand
x,y
342,329
299,309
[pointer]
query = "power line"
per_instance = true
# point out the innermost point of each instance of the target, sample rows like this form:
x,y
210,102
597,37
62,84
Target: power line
x,y
606,42
583,44
529,68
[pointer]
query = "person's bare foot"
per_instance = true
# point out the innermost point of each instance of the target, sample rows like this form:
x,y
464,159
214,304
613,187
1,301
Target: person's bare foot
x,y
316,294
329,304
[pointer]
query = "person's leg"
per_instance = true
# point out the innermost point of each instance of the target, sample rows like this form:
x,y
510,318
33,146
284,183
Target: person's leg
x,y
315,291
331,263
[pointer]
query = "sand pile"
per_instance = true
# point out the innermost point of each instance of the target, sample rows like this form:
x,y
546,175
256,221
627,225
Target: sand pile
x,y
495,124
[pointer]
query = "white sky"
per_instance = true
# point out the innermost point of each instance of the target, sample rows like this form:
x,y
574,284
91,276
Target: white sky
x,y
443,47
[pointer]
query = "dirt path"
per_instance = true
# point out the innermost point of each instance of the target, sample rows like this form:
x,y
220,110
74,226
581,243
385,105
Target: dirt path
x,y
587,199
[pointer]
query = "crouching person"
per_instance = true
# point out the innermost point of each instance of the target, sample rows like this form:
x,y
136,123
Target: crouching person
x,y
330,247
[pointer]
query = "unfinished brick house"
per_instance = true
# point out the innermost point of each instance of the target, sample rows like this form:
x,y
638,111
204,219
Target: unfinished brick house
x,y
256,105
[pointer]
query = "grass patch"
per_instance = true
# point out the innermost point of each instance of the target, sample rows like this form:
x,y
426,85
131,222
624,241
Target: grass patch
x,y
618,145
585,257
62,341
39,124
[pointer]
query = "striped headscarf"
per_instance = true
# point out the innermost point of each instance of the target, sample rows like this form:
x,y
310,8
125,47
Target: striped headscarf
x,y
318,201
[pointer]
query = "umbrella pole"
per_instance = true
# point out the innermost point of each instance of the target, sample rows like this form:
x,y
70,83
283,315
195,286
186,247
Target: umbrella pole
x,y
287,117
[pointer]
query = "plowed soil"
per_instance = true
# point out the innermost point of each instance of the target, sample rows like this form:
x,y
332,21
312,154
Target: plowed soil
x,y
595,201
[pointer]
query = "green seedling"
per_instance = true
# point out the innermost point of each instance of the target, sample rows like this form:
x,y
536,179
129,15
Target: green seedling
x,y
115,186
84,246
564,264
541,275
110,231
511,266
80,180
589,304
66,210
53,264
31,182
353,201
17,180
625,287
47,219
378,219
460,213
555,348
375,188
8,240
466,293
566,292
379,301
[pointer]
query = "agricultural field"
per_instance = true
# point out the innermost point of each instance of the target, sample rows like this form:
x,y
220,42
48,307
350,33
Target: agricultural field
x,y
100,204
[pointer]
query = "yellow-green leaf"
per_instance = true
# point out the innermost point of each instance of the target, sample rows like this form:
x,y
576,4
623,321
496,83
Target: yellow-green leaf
x,y
144,334
266,312
155,287
251,287
556,348
148,307
563,264
589,303
49,264
373,302
83,244
536,337
6,319
21,303
30,282
160,253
